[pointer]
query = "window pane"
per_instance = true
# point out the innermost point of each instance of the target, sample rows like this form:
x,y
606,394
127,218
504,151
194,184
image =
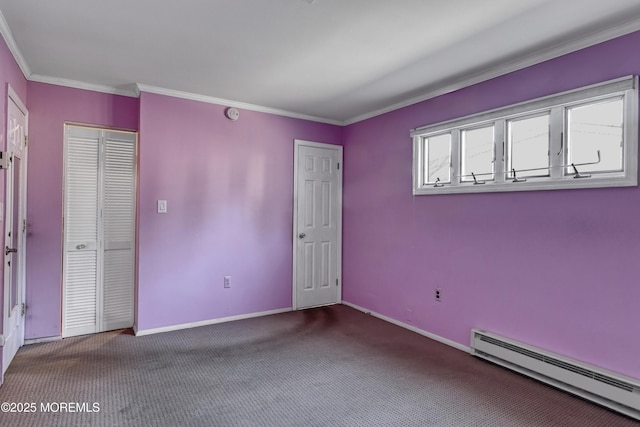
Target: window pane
x,y
477,153
529,146
596,127
437,160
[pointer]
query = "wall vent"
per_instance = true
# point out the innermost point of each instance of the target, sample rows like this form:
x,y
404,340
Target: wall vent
x,y
606,388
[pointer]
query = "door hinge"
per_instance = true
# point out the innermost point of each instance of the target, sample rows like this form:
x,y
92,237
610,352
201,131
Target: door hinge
x,y
4,159
337,282
338,165
22,309
24,225
26,140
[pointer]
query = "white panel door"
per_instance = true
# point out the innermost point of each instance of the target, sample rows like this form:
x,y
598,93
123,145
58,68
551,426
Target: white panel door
x,y
317,228
15,229
99,224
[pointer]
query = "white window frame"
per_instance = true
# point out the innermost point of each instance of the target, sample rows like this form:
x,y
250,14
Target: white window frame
x,y
493,161
425,155
556,105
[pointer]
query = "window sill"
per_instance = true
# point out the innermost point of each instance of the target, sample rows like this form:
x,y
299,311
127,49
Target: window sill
x,y
532,184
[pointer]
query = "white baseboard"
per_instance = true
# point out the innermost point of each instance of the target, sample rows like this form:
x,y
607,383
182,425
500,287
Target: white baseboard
x,y
41,340
422,332
143,332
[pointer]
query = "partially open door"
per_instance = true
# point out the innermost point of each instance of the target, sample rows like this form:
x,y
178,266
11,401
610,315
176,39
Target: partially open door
x,y
15,214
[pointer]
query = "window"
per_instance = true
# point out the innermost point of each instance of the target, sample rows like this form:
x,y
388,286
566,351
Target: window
x,y
437,159
528,142
597,127
578,139
478,154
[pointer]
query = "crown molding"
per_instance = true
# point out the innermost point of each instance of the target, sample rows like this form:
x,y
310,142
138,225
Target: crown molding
x,y
230,103
552,52
7,35
82,85
26,70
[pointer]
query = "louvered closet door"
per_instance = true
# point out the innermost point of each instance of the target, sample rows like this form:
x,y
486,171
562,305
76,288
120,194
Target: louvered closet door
x,y
119,217
80,272
99,230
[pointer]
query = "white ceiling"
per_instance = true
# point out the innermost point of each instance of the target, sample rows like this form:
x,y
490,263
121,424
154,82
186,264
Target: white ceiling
x,y
334,60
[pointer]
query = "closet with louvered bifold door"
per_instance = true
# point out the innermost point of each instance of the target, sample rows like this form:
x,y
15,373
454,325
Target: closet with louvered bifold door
x,y
99,230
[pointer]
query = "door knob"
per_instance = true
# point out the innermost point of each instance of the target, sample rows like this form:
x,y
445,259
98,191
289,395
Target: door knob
x,y
302,235
8,250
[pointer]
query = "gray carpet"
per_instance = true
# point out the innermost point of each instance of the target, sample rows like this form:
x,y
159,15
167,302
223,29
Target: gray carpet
x,y
330,366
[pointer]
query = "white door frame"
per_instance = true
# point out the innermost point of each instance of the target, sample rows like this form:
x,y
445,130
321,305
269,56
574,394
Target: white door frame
x,y
12,96
298,143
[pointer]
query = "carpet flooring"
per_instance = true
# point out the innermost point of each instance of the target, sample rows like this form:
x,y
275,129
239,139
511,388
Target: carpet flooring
x,y
330,366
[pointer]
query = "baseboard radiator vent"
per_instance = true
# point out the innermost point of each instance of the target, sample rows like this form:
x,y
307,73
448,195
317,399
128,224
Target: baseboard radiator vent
x,y
606,388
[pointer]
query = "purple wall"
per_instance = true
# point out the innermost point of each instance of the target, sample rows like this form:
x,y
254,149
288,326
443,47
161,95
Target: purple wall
x,y
229,188
558,269
49,108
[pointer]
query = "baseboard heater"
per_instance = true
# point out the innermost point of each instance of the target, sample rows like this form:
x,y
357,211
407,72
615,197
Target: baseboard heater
x,y
606,388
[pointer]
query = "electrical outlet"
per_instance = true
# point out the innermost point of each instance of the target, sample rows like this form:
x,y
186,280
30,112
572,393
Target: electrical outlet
x,y
227,281
438,295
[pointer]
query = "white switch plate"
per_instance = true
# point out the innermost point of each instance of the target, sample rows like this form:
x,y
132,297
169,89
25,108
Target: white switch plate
x,y
162,206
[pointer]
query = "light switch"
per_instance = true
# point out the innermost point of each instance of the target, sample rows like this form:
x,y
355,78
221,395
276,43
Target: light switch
x,y
162,206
